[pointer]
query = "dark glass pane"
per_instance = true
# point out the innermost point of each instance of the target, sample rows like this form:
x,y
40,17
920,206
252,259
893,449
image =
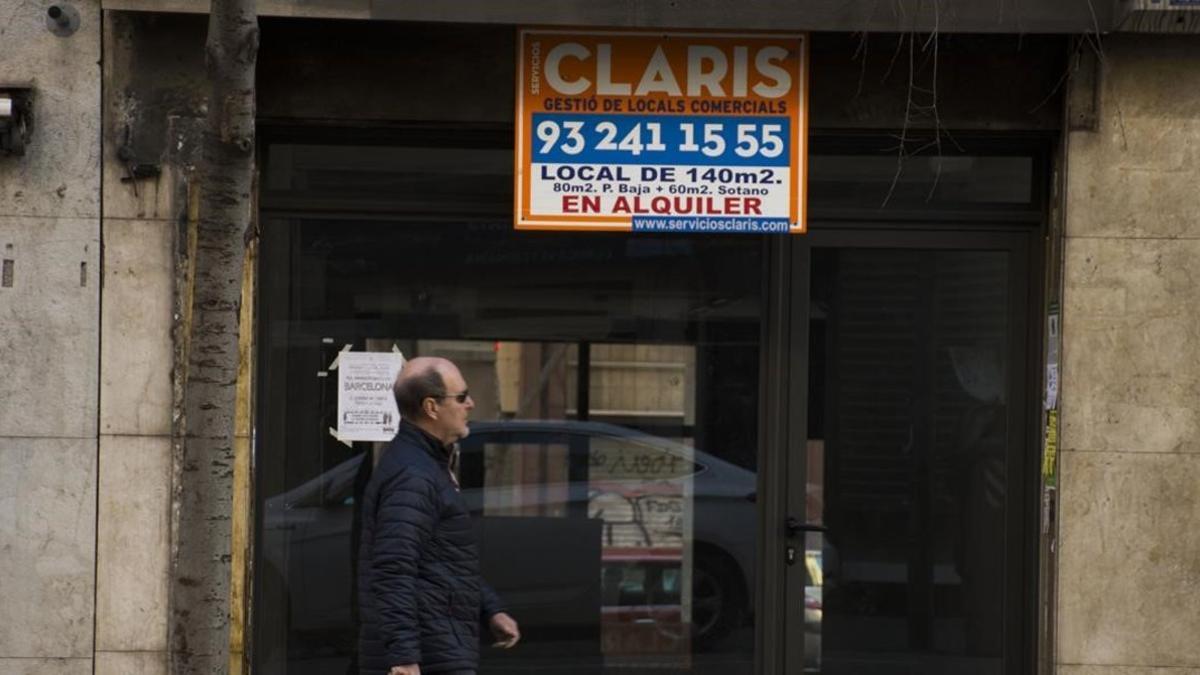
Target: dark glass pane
x,y
613,448
909,458
927,181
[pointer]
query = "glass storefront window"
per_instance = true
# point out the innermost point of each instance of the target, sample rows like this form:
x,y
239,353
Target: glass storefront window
x,y
611,464
614,449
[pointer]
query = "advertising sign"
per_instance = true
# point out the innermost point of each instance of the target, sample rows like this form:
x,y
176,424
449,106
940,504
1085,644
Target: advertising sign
x,y
366,406
661,132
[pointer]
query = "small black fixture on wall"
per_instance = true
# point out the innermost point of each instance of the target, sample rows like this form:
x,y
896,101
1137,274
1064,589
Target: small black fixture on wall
x,y
62,19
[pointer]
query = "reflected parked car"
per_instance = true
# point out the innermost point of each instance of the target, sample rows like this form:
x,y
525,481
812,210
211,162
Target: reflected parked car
x,y
655,498
581,523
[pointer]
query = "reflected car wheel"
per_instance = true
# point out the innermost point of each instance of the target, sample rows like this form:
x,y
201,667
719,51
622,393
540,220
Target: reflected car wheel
x,y
716,599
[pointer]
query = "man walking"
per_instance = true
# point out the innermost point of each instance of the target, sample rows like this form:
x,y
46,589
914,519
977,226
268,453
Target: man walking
x,y
422,600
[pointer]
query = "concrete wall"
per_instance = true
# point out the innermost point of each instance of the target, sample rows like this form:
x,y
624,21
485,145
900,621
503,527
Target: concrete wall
x,y
86,416
49,348
140,219
966,16
1130,503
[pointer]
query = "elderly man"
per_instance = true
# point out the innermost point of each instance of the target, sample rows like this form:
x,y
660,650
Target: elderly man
x,y
422,601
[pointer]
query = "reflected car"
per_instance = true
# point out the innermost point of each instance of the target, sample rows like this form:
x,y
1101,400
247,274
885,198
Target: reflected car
x,y
537,486
639,487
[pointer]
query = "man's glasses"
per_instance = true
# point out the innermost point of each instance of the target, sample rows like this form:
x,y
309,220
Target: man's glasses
x,y
461,398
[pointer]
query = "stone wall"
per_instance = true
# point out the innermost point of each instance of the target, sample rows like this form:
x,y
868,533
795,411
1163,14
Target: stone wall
x,y
85,421
1129,570
140,221
49,347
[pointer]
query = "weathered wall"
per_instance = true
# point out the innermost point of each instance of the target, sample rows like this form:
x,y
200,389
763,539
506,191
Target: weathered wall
x,y
351,71
49,347
1129,570
85,428
153,91
965,16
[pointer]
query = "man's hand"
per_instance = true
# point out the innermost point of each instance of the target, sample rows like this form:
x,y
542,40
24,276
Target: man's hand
x,y
413,669
505,630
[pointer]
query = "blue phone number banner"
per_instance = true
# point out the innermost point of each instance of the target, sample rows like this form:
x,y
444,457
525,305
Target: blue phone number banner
x,y
575,138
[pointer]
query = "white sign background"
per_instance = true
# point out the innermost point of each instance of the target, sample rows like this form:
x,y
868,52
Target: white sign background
x,y
366,407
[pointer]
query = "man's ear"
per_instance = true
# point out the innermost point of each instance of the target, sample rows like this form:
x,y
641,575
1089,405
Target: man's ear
x,y
429,407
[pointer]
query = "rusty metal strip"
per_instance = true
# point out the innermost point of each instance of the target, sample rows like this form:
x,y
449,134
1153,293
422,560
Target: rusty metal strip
x,y
242,528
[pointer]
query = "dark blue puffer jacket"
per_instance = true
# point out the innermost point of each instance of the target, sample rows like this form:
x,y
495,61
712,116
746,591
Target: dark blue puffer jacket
x,y
421,598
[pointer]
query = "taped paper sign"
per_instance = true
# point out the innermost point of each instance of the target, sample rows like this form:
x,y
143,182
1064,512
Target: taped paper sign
x,y
1050,454
366,407
1051,401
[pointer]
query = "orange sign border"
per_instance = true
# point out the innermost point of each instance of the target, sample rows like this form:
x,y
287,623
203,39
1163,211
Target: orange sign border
x,y
523,220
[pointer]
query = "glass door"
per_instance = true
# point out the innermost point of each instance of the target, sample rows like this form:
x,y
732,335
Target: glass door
x,y
908,536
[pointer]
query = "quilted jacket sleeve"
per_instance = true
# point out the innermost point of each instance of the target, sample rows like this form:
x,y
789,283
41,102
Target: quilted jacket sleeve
x,y
490,603
405,517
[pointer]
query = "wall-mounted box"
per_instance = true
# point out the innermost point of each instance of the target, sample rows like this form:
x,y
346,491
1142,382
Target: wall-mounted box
x,y
16,118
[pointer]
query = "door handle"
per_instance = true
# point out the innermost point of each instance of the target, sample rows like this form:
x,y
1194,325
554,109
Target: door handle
x,y
795,527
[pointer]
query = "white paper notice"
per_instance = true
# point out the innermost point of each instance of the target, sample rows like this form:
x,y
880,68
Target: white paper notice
x,y
366,408
1051,401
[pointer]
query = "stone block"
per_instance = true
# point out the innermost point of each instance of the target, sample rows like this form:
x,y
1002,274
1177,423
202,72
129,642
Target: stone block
x,y
47,560
59,174
1131,345
136,349
1152,76
44,666
1129,565
131,663
1135,177
1123,670
49,337
133,547
1123,427
1153,275
134,124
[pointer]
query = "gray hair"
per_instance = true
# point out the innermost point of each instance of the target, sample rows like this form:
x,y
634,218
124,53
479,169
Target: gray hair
x,y
411,389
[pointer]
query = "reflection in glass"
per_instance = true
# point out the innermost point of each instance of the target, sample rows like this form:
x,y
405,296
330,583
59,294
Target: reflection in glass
x,y
870,182
908,447
611,461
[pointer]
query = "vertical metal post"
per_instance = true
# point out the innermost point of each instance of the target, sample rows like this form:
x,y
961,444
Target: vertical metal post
x,y
583,381
796,447
578,444
772,477
783,426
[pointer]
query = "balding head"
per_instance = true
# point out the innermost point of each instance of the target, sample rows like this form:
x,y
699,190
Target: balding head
x,y
418,380
425,394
